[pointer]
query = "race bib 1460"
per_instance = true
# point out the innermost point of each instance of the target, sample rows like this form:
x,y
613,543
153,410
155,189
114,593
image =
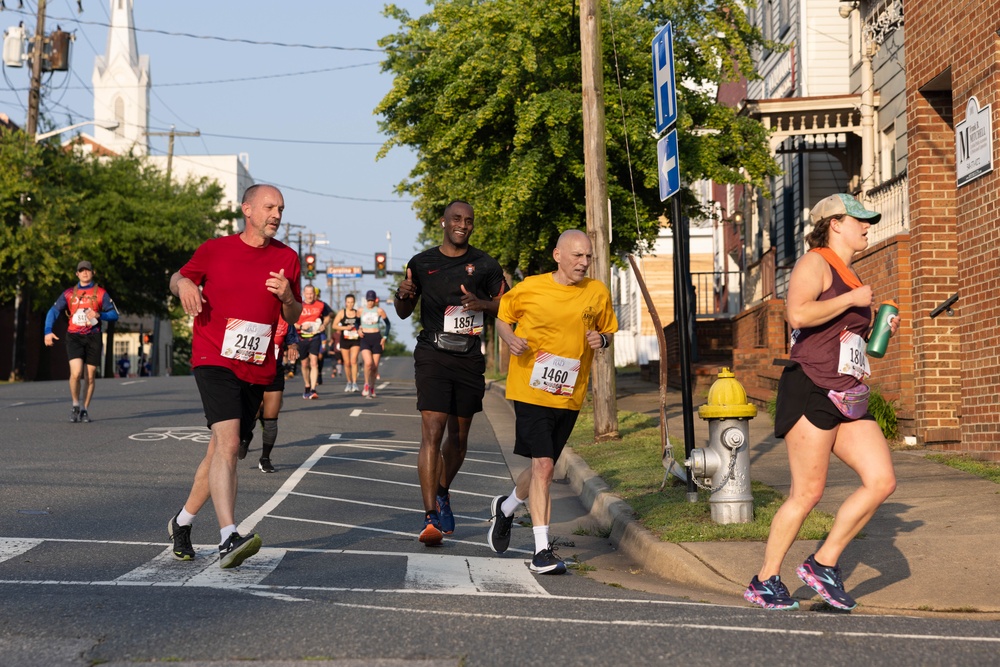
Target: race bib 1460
x,y
555,375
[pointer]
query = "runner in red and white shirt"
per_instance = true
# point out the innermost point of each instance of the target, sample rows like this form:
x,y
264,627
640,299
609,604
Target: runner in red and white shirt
x,y
236,287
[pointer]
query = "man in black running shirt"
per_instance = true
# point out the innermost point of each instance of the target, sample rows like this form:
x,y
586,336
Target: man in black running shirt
x,y
457,284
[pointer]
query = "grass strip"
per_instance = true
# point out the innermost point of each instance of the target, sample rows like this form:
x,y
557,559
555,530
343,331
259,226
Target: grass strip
x,y
633,469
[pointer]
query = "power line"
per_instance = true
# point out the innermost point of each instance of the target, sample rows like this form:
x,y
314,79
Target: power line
x,y
232,40
295,141
333,196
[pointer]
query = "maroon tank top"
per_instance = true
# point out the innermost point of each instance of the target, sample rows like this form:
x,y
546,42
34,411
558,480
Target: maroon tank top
x,y
817,349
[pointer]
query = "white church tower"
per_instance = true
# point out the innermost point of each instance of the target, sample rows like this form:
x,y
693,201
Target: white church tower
x,y
121,86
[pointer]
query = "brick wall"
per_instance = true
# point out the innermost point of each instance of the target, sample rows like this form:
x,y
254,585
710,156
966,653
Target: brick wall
x,y
954,231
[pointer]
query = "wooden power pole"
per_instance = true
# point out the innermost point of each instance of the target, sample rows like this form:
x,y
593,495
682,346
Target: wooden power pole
x,y
596,174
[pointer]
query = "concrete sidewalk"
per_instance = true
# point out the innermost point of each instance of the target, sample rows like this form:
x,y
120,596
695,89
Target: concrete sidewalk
x,y
930,547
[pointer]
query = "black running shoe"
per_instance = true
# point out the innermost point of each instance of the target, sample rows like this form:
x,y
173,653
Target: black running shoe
x,y
244,446
827,582
547,562
265,465
84,417
770,594
181,535
75,415
237,549
499,535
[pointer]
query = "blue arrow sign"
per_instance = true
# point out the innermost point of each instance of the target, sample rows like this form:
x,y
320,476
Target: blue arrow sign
x,y
664,88
669,165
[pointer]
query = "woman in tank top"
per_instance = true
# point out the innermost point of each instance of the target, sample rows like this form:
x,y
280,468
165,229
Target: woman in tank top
x,y
822,404
348,322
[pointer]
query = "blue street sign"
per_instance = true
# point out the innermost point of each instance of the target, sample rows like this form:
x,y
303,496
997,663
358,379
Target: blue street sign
x,y
664,88
669,165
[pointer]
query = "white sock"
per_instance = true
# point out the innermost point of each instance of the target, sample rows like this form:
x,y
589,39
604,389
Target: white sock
x,y
541,537
185,518
226,532
511,503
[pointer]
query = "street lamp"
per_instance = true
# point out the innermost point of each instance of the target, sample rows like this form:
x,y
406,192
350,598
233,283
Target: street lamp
x,y
105,124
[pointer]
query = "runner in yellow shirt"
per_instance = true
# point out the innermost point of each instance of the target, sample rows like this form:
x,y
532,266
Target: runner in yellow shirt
x,y
562,318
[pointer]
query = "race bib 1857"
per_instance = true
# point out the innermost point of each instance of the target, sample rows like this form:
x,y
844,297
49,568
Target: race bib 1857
x,y
461,321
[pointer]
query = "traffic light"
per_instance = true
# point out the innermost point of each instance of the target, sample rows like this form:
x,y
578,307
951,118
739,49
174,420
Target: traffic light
x,y
380,265
310,266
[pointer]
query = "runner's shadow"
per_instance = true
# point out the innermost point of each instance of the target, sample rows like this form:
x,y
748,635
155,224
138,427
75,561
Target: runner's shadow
x,y
878,550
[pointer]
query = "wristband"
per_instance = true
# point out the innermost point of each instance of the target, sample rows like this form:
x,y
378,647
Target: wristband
x,y
604,341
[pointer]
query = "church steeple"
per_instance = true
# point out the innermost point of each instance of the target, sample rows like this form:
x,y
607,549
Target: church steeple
x,y
121,85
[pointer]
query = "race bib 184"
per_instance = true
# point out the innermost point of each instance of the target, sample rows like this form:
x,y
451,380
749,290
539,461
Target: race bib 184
x,y
555,375
246,341
853,360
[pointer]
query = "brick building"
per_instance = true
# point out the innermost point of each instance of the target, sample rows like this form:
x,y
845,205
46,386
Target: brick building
x,y
953,57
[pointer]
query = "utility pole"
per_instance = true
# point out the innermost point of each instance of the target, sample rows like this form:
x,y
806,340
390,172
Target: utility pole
x,y
31,129
596,175
37,53
170,144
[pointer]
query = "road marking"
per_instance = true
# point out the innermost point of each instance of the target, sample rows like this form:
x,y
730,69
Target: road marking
x,y
13,547
705,627
413,467
414,510
359,412
335,436
415,450
389,481
481,575
248,524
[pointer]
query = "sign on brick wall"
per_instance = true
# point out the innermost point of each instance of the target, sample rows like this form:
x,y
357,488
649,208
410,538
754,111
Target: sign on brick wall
x,y
974,143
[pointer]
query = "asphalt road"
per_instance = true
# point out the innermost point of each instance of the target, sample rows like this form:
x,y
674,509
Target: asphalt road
x,y
86,575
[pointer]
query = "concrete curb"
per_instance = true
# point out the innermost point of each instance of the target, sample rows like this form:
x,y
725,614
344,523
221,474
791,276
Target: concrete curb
x,y
666,560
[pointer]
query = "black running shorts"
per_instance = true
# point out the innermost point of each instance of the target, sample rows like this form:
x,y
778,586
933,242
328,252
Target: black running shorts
x,y
540,431
372,341
798,396
86,347
448,383
278,384
311,345
226,397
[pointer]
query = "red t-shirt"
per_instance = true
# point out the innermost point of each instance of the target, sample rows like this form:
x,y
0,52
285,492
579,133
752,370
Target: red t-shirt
x,y
232,275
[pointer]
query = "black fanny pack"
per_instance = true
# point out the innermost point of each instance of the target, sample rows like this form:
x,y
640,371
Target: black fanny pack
x,y
449,342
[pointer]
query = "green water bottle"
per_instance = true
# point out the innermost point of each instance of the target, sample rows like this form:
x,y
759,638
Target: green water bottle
x,y
878,341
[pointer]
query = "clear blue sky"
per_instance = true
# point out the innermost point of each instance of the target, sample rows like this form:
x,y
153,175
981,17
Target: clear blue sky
x,y
354,204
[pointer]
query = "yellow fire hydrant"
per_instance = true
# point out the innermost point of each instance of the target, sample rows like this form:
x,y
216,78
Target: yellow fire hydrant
x,y
723,465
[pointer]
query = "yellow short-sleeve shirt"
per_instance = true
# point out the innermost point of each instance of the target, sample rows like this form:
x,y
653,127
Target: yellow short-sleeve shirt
x,y
554,319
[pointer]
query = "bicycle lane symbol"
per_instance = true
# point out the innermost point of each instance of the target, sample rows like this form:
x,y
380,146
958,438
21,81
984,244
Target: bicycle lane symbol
x,y
193,433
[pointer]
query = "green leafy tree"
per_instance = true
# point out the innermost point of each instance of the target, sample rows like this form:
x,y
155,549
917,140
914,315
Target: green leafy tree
x,y
489,96
119,213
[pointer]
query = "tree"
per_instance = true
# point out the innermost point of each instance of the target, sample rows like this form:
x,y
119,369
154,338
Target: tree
x,y
488,94
118,213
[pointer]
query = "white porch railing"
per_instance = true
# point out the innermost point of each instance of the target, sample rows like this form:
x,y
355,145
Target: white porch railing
x,y
891,199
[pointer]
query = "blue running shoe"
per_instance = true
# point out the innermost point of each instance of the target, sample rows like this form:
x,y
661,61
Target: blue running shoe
x,y
770,594
431,535
827,582
444,513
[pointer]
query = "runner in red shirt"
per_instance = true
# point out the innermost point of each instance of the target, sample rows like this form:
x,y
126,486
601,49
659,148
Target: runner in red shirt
x,y
312,323
85,304
247,281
